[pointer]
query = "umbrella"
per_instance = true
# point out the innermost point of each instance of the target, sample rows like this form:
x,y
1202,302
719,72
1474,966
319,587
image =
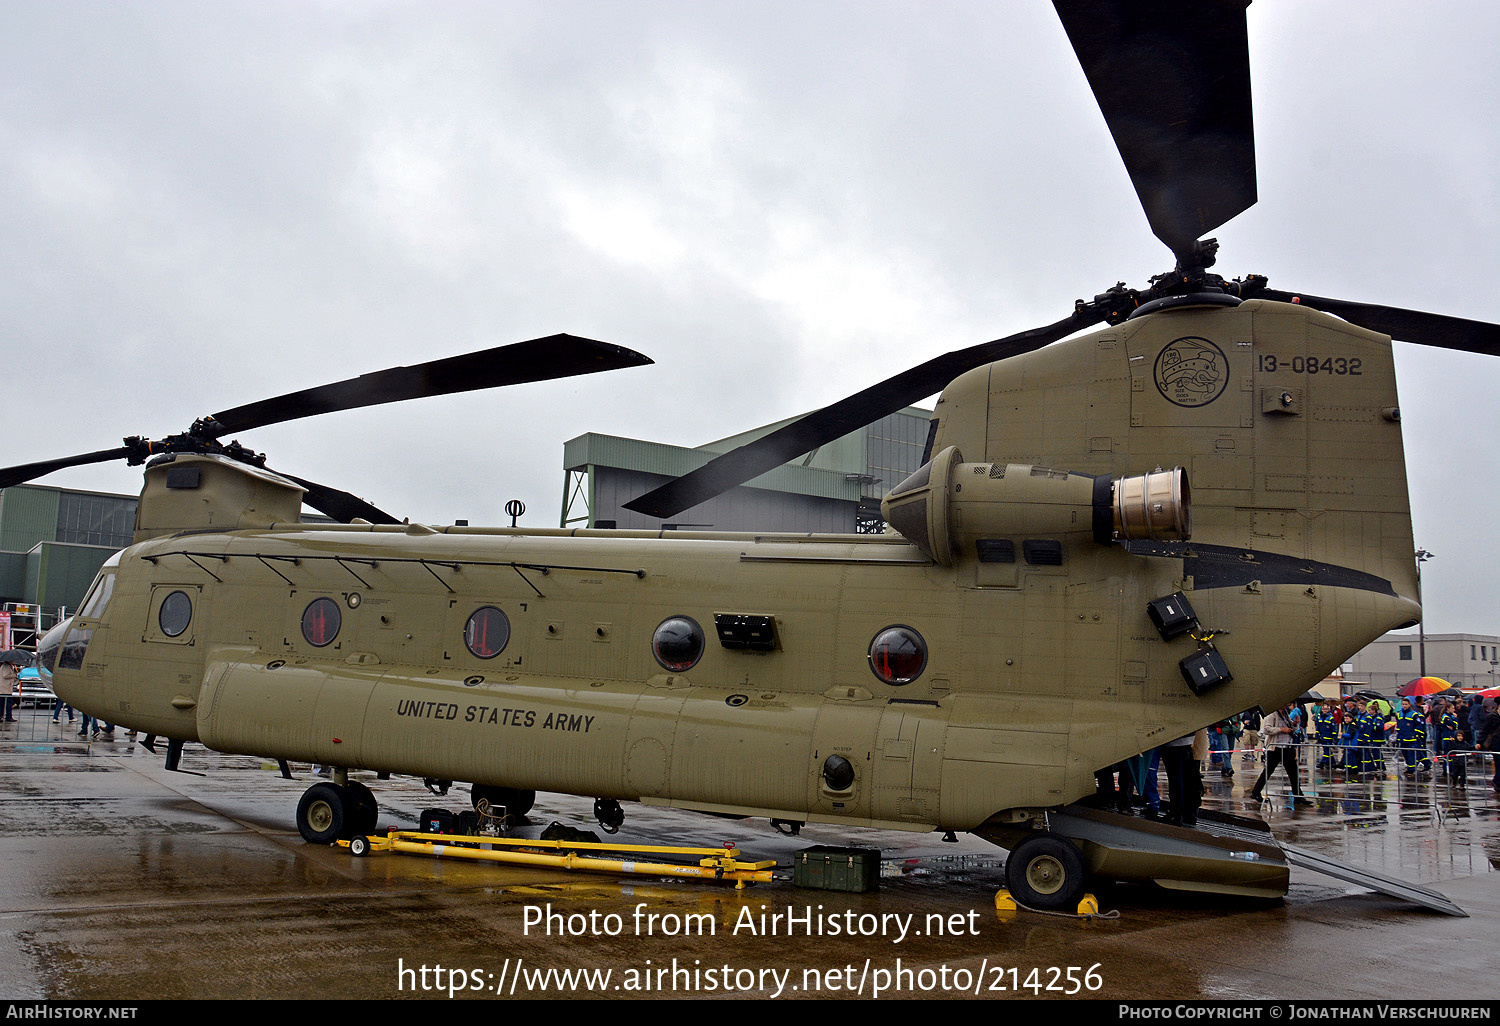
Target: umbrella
x,y
1423,686
1488,693
1370,694
17,656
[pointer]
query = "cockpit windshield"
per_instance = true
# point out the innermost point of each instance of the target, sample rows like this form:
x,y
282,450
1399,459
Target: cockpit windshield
x,y
98,596
72,636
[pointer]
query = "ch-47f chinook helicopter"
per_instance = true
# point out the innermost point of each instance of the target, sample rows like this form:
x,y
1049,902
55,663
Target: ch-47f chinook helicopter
x,y
1196,508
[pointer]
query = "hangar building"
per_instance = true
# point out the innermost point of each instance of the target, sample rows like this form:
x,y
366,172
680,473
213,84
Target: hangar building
x,y
835,489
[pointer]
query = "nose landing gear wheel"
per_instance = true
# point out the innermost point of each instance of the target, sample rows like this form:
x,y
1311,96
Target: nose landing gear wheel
x,y
1047,873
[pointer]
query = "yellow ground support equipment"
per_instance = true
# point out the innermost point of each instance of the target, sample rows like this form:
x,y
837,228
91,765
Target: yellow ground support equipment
x,y
714,863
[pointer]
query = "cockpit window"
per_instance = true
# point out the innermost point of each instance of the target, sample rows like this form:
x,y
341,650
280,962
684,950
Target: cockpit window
x,y
98,597
74,646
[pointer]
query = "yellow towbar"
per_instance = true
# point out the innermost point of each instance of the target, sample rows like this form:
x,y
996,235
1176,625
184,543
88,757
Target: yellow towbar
x,y
714,864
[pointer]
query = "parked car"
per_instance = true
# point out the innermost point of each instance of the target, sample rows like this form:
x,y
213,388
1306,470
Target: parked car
x,y
36,689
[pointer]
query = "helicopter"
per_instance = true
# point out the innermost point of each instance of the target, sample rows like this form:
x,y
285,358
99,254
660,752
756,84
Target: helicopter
x,y
1196,506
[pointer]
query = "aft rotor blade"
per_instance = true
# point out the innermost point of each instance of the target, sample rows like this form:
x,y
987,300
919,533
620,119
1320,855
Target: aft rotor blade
x,y
10,476
340,505
1172,78
540,359
1428,329
807,433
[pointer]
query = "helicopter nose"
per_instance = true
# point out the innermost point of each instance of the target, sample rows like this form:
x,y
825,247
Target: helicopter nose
x,y
47,648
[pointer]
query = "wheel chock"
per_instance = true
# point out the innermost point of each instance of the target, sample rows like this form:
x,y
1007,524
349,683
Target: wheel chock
x,y
1005,903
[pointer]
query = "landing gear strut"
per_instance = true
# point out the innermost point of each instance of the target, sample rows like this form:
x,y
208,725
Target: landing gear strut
x,y
609,814
513,801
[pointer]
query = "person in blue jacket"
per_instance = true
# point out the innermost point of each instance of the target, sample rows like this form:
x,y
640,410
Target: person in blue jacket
x,y
1369,736
1411,737
1448,730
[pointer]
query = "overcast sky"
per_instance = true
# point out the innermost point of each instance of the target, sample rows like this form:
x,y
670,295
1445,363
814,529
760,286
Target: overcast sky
x,y
204,204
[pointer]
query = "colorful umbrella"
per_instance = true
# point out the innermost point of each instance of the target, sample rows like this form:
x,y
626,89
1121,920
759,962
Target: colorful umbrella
x,y
1424,686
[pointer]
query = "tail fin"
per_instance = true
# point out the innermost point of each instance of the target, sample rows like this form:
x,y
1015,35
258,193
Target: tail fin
x,y
1286,420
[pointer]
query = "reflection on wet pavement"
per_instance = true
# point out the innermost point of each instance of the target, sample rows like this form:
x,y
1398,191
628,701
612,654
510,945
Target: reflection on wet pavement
x,y
126,881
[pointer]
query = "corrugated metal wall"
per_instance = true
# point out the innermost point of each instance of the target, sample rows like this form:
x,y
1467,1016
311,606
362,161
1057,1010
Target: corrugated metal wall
x,y
27,516
741,509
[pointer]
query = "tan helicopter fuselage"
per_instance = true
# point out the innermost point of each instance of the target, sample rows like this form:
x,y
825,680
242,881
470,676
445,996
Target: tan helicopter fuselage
x,y
1041,665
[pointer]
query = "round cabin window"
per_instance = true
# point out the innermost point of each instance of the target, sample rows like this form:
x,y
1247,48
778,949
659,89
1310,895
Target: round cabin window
x,y
898,655
321,621
678,644
487,632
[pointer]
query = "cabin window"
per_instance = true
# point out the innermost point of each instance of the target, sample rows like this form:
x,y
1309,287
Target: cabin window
x,y
898,655
321,621
678,644
487,632
175,614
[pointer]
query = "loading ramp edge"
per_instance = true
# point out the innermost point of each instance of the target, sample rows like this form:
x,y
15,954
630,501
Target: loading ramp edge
x,y
1376,881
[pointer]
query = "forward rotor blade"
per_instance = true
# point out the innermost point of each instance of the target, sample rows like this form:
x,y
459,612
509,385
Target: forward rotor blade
x,y
807,433
1172,78
1428,329
540,359
10,476
340,505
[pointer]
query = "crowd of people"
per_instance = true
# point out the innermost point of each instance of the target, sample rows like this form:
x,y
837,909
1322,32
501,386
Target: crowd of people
x,y
1437,735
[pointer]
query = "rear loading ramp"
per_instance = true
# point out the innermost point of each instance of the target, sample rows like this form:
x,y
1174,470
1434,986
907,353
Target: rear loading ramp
x,y
1425,896
1223,854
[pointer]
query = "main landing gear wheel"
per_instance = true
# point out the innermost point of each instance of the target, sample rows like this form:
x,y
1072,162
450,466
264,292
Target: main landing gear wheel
x,y
323,813
1046,872
363,809
513,800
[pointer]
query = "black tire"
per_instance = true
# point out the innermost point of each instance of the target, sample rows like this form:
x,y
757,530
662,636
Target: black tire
x,y
515,801
364,810
1046,872
323,814
359,845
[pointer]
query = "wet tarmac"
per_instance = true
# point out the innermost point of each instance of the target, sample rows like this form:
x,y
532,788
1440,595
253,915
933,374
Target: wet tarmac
x,y
128,882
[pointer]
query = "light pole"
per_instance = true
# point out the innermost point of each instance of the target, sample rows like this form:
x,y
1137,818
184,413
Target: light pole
x,y
1422,556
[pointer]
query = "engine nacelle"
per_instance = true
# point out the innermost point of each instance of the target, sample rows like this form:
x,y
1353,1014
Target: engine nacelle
x,y
948,505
